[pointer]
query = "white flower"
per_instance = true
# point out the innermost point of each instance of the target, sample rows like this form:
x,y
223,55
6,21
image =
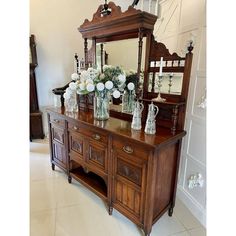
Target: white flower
x,y
89,81
116,94
102,76
92,73
74,76
100,86
130,86
72,86
130,72
90,87
121,78
82,86
90,70
84,76
109,85
106,67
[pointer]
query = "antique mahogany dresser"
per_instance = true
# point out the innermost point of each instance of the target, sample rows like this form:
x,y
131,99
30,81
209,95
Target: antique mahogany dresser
x,y
133,172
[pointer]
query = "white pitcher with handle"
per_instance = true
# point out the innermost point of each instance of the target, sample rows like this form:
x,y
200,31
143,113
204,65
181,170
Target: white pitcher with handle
x,y
137,115
150,127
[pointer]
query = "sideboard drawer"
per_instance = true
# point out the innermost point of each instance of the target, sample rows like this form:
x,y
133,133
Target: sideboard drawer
x,y
57,120
87,131
130,148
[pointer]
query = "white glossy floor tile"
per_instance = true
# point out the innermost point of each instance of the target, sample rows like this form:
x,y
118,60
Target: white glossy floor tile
x,y
41,147
185,233
185,216
197,232
166,226
74,193
42,223
42,195
84,221
40,167
127,227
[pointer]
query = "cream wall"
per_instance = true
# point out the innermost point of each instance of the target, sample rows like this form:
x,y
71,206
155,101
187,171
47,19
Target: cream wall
x,y
125,53
54,24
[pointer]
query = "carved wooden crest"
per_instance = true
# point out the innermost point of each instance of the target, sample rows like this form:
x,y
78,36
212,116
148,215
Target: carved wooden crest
x,y
115,13
159,50
117,22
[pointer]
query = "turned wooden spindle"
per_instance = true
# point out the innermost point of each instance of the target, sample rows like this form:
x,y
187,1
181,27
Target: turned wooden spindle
x,y
86,53
140,47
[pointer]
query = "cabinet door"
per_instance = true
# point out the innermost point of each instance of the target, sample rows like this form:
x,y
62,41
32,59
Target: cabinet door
x,y
58,146
76,146
129,184
58,135
59,154
97,155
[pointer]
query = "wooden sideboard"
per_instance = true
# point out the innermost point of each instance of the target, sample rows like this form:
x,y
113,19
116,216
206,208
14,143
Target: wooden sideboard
x,y
132,172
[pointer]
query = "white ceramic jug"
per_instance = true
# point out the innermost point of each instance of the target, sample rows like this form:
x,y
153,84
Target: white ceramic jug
x,y
150,127
137,115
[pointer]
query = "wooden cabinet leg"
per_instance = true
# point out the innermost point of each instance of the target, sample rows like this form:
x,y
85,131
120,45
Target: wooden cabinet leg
x,y
110,210
147,233
53,166
170,211
69,179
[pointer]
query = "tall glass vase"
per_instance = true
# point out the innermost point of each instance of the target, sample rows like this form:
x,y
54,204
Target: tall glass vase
x,y
71,103
101,105
128,101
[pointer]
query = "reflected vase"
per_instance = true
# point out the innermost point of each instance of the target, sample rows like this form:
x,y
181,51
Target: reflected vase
x,y
128,101
71,103
101,105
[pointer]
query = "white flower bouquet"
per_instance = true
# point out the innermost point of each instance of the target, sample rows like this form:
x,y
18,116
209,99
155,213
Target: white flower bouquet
x,y
111,80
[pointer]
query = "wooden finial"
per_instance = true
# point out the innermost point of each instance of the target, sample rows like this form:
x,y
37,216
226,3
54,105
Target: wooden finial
x,y
77,62
190,47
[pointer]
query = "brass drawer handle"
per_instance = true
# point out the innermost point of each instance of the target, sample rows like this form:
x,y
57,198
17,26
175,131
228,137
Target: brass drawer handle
x,y
57,121
128,149
75,128
96,136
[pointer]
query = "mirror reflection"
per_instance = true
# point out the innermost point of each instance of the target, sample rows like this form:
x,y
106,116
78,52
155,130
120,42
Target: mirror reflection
x,y
171,83
123,53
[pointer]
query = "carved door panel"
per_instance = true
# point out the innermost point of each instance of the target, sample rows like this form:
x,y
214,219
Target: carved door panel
x,y
58,146
129,184
128,199
58,135
59,154
97,155
76,146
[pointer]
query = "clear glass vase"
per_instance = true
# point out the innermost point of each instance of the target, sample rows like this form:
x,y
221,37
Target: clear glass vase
x,y
128,101
71,103
101,105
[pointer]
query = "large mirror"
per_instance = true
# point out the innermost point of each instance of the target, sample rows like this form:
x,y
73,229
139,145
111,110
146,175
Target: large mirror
x,y
123,53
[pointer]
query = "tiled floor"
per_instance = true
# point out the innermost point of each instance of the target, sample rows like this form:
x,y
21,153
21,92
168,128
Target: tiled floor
x,y
62,209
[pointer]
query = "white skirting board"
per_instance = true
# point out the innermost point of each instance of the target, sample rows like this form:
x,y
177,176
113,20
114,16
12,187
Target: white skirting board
x,y
196,209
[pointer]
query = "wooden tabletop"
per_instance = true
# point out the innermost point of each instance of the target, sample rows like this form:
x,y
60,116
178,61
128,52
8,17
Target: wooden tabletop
x,y
120,127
